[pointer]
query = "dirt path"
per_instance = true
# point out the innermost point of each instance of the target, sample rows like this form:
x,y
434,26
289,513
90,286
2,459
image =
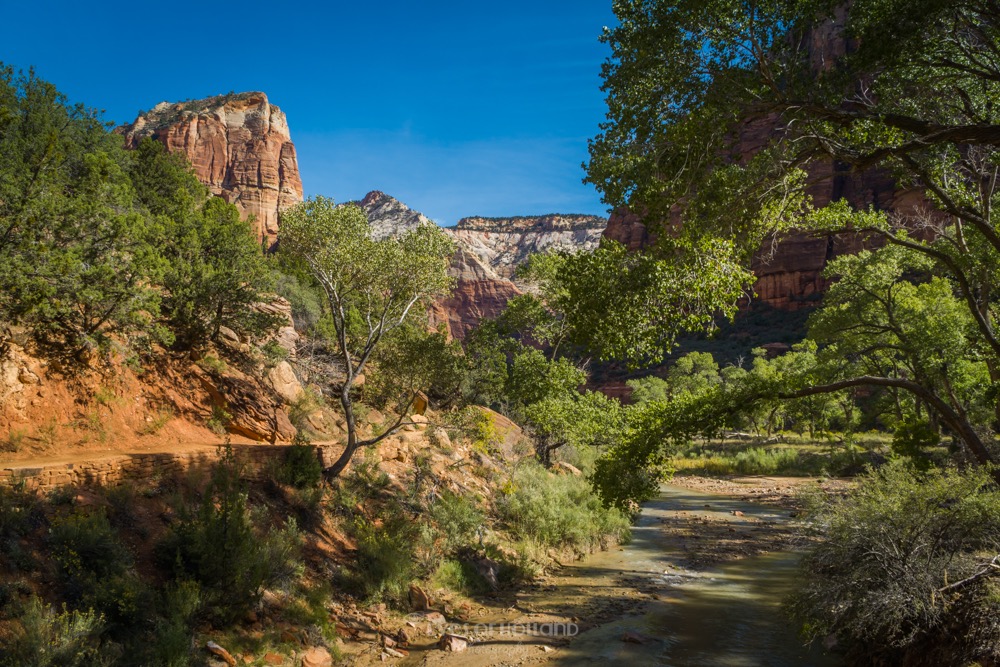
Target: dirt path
x,y
699,584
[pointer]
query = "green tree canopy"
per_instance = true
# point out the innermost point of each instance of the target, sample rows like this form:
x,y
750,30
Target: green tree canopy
x,y
372,286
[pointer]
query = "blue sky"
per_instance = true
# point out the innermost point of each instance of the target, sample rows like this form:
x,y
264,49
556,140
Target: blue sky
x,y
455,108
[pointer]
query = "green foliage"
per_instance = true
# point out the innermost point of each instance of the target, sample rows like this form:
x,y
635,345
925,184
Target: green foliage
x,y
45,637
882,576
457,519
686,80
217,274
913,439
219,546
372,286
385,562
100,245
412,359
301,467
558,510
650,389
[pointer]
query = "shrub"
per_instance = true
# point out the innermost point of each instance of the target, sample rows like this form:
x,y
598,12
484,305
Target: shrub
x,y
459,576
891,574
95,569
759,461
558,510
385,563
300,467
20,513
219,547
457,518
47,638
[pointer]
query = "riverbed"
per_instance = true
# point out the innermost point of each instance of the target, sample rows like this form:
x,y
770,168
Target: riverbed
x,y
701,583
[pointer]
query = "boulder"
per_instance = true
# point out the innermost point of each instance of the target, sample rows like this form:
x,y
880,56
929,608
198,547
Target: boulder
x,y
453,643
419,599
286,384
317,656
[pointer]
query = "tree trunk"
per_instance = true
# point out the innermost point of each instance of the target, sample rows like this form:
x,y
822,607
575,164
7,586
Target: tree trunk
x,y
334,471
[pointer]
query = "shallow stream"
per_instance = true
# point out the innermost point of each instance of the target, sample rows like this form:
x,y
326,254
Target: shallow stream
x,y
729,616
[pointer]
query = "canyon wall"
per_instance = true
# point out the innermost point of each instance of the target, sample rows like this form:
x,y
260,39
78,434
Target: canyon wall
x,y
505,243
240,147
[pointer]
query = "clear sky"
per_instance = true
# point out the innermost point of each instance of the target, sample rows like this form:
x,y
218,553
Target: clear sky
x,y
455,108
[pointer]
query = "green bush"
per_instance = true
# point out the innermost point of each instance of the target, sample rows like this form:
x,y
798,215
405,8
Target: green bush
x,y
457,518
558,510
459,576
44,637
300,467
385,562
886,575
760,461
95,570
220,547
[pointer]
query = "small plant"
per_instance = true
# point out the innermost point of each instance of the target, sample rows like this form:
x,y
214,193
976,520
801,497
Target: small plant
x,y
301,467
458,519
220,547
213,364
385,563
218,423
274,353
158,421
106,397
14,441
47,433
44,637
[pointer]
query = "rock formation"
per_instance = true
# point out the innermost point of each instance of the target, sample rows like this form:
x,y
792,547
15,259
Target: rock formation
x,y
388,216
505,243
240,147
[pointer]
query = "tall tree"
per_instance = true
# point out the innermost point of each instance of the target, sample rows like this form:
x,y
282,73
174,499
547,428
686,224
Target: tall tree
x,y
911,92
372,287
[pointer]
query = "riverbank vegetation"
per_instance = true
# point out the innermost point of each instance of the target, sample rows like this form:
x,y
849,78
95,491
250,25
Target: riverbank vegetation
x,y
905,338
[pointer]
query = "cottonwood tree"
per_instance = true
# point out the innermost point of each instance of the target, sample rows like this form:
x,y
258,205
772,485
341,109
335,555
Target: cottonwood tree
x,y
372,288
912,92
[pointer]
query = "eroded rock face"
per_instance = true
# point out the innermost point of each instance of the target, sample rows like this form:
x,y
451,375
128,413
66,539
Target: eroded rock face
x,y
388,216
503,244
479,290
240,148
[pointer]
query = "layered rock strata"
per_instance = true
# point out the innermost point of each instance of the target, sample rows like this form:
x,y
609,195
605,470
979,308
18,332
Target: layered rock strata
x,y
239,146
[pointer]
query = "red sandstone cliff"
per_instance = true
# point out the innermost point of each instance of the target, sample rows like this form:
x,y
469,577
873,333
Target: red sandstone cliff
x,y
240,147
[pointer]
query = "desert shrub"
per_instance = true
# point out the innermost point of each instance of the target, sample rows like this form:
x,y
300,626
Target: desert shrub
x,y
895,571
95,569
170,645
44,637
459,576
558,510
20,513
385,562
457,519
760,461
300,466
219,546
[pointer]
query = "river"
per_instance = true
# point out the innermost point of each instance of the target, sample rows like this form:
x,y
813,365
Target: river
x,y
638,605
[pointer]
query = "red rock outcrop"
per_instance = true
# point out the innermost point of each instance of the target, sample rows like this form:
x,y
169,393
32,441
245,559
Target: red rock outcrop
x,y
240,147
479,293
